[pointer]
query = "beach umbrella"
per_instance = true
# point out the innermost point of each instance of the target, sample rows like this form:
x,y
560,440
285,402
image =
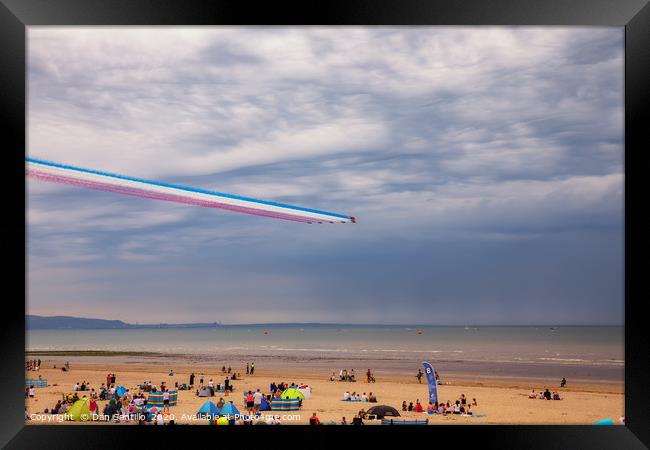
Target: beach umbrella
x,y
382,411
208,410
229,409
80,411
291,394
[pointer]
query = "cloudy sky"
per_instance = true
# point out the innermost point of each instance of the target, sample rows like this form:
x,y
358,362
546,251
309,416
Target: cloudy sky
x,y
484,165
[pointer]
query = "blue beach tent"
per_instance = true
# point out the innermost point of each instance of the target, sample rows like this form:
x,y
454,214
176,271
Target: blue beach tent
x,y
229,409
120,391
208,410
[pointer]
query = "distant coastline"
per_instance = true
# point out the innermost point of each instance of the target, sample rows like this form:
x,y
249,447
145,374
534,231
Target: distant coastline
x,y
36,322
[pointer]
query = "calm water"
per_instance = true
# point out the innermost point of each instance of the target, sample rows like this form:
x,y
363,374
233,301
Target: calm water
x,y
590,346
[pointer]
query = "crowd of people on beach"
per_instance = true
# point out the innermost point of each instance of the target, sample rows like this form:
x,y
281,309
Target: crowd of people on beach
x,y
33,365
354,397
461,406
348,375
545,395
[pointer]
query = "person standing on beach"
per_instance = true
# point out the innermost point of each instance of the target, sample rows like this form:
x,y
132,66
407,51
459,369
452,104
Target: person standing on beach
x,y
563,382
192,379
257,400
419,376
252,368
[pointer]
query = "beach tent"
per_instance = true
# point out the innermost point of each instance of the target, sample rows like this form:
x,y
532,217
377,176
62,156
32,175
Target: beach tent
x,y
280,404
120,391
222,421
604,422
382,411
291,394
208,410
80,411
305,390
229,409
265,406
156,398
204,392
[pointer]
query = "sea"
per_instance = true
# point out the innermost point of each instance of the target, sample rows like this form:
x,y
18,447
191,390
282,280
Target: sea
x,y
589,353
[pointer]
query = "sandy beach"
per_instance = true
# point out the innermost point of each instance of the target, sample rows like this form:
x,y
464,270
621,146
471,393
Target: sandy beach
x,y
500,400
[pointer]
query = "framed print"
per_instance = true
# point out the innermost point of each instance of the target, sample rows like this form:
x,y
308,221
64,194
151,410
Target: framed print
x,y
354,214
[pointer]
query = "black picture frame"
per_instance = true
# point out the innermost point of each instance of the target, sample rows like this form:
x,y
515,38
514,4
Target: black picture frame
x,y
15,15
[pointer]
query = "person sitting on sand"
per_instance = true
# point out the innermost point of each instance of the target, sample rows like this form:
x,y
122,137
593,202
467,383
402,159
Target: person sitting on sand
x,y
556,396
346,396
532,394
333,377
474,403
372,398
418,406
314,420
456,409
547,394
76,387
364,397
441,409
171,372
430,409
410,408
469,410
404,405
343,421
56,408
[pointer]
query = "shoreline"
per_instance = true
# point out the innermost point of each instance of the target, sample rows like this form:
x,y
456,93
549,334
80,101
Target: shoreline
x,y
486,372
147,361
